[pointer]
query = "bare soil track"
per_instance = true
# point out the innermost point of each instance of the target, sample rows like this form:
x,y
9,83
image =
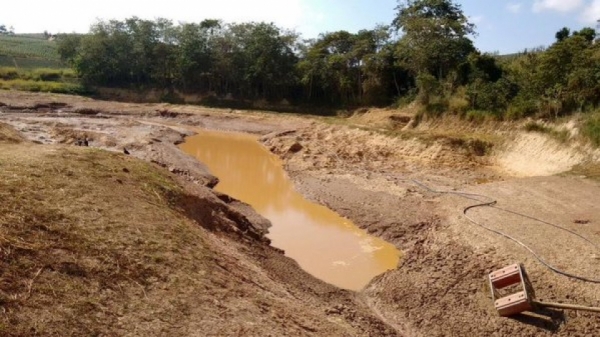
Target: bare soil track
x,y
141,245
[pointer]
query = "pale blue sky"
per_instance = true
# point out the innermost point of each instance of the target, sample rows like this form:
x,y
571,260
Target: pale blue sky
x,y
505,26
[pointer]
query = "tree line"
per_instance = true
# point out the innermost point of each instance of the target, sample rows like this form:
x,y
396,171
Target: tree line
x,y
6,31
426,53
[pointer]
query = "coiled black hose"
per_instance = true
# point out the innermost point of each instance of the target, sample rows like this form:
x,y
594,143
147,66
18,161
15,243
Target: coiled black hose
x,y
492,203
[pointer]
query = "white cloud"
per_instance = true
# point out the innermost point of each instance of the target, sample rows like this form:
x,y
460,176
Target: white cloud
x,y
514,7
556,5
75,15
591,13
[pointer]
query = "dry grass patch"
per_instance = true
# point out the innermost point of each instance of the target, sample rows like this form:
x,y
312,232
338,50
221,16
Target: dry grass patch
x,y
589,170
86,238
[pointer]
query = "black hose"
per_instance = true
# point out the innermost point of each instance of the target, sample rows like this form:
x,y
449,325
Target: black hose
x,y
492,203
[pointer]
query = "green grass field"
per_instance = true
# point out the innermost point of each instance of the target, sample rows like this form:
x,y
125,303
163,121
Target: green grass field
x,y
28,47
30,62
40,80
29,51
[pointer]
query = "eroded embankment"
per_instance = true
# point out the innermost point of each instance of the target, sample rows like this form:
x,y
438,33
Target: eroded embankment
x,y
535,154
95,242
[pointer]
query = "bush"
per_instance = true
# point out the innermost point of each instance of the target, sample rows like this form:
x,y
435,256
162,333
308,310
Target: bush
x,y
562,136
428,86
479,116
40,74
41,86
171,97
436,107
520,108
7,73
536,127
591,129
46,74
491,96
68,74
458,105
406,99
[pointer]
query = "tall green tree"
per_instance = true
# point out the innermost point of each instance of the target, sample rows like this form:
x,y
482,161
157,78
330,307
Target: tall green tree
x,y
587,33
563,34
569,73
435,36
256,61
68,47
270,60
194,57
329,68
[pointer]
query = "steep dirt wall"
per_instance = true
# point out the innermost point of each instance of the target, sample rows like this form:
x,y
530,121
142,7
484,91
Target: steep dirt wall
x,y
536,154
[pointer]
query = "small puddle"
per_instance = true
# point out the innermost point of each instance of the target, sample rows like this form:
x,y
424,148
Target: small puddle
x,y
325,244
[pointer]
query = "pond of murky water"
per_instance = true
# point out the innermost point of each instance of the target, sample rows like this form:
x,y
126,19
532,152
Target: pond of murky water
x,y
325,244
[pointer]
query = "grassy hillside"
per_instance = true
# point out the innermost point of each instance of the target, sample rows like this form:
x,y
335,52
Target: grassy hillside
x,y
28,63
31,62
86,234
40,79
28,52
28,47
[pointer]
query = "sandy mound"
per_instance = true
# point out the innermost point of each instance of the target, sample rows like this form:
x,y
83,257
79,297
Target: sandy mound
x,y
532,154
384,118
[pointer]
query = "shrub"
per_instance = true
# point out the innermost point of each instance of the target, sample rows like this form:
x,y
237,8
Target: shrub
x,y
428,86
68,73
7,73
491,96
436,107
405,100
458,105
40,74
479,116
520,108
171,97
591,129
41,86
46,74
560,135
537,127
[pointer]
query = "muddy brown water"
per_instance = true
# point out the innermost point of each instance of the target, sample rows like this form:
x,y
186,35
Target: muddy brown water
x,y
325,244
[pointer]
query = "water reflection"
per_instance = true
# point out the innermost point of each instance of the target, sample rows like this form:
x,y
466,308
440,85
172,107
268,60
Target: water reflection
x,y
323,243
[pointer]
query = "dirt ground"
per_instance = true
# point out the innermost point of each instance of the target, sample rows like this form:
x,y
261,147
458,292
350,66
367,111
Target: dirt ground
x,y
365,168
